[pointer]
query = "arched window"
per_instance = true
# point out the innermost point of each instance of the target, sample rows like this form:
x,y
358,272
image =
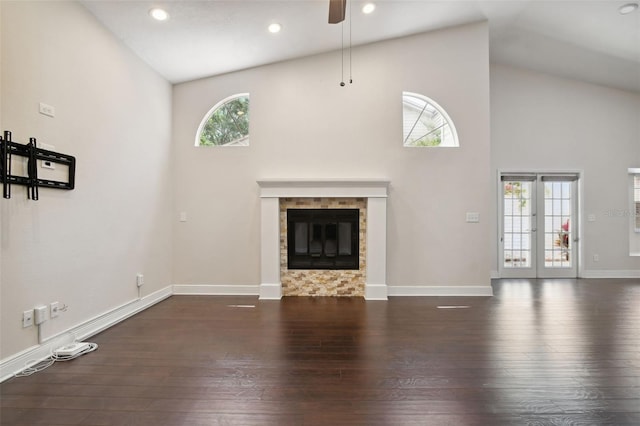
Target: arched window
x,y
425,123
226,124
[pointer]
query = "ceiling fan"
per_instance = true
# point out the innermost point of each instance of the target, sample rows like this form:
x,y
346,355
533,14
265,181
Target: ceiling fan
x,y
337,10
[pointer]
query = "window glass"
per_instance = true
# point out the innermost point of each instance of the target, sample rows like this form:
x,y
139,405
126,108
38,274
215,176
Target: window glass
x,y
226,124
425,123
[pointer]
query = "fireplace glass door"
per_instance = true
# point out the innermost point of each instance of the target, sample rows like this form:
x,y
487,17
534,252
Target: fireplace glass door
x,y
323,238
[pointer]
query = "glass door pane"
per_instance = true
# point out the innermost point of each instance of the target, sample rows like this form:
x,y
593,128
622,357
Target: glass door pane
x,y
330,239
558,230
344,238
301,237
518,228
557,225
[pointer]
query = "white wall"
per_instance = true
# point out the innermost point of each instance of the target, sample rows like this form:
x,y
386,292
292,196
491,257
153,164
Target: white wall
x,y
84,247
303,124
539,121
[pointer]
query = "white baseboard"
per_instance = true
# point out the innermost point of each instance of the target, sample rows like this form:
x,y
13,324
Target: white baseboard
x,y
270,291
16,363
215,290
467,290
611,273
375,291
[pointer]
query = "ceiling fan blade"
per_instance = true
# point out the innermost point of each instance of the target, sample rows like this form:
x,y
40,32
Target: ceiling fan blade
x,y
337,10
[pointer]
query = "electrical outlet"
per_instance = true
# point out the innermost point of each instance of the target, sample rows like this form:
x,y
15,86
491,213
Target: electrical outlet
x,y
473,217
27,318
596,258
54,310
139,280
46,164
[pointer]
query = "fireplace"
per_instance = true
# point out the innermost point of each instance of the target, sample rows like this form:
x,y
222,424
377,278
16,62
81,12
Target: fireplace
x,y
322,239
367,196
322,272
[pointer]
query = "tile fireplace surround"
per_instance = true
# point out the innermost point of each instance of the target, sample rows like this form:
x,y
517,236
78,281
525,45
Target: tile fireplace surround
x,y
373,190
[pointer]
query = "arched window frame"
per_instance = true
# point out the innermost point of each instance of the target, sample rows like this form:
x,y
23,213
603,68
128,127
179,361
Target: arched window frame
x,y
238,142
454,133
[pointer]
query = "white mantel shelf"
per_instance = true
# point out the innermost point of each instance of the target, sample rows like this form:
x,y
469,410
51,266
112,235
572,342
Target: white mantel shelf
x,y
375,190
366,188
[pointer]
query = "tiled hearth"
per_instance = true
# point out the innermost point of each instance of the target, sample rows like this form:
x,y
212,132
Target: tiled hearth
x,y
368,195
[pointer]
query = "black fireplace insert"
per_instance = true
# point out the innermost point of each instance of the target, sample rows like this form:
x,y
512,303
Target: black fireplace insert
x,y
323,239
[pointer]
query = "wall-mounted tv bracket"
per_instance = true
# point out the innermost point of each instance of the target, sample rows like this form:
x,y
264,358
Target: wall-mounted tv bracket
x,y
32,153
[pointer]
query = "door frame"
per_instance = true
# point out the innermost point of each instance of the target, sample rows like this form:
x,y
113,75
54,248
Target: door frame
x,y
579,245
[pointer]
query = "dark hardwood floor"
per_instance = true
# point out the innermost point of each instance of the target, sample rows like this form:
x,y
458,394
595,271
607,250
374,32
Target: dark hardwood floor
x,y
540,352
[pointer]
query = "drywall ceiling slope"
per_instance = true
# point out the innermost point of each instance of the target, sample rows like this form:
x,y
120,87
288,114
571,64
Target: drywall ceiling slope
x,y
587,40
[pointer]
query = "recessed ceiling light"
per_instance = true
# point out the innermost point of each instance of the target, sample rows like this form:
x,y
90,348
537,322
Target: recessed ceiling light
x,y
627,8
275,28
368,8
159,14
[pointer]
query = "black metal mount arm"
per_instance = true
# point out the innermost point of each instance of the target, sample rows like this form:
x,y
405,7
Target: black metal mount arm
x,y
32,153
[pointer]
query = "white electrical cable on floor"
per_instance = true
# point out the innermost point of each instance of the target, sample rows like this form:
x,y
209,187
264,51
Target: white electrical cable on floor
x,y
50,360
91,347
34,368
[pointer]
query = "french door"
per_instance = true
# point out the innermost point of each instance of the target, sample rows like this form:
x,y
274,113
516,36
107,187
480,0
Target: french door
x,y
538,229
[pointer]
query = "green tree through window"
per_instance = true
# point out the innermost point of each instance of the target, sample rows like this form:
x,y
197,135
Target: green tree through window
x,y
227,124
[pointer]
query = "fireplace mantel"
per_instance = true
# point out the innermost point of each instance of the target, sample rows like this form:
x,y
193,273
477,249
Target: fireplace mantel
x,y
374,190
365,188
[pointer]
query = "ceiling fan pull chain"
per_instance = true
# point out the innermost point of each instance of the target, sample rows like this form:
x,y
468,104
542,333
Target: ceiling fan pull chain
x,y
342,55
350,72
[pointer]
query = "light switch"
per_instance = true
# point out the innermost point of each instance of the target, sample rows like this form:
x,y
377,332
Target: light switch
x,y
183,216
47,110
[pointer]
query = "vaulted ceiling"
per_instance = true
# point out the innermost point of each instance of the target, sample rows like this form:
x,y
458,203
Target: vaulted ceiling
x,y
587,40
